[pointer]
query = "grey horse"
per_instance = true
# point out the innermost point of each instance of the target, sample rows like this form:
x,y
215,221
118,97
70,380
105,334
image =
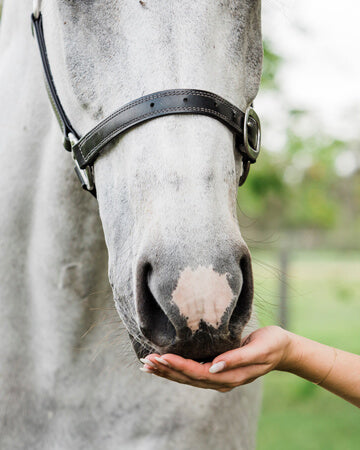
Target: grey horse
x,y
166,242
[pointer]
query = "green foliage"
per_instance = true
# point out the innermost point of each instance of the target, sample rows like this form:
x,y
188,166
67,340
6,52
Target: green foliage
x,y
313,200
264,191
271,65
298,188
281,192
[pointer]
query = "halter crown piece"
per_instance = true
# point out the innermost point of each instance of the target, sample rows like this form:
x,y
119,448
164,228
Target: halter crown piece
x,y
85,149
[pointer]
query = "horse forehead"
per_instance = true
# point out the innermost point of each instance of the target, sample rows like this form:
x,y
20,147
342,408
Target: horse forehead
x,y
137,49
117,24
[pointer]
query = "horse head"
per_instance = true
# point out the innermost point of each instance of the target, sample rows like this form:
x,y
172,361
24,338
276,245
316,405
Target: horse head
x,y
179,268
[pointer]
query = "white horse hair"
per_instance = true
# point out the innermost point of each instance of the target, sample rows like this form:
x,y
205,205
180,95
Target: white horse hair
x,y
168,238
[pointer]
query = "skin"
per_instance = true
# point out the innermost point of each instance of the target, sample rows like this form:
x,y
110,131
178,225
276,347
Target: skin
x,y
266,349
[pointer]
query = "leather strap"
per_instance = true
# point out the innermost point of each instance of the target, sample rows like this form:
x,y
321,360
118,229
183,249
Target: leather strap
x,y
158,104
60,114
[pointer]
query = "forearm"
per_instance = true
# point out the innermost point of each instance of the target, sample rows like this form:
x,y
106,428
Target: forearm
x,y
333,369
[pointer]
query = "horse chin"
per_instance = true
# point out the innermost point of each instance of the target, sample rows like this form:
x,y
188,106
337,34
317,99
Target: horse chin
x,y
202,346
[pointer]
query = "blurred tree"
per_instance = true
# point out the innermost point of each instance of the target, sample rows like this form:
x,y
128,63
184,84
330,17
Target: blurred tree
x,y
300,187
271,64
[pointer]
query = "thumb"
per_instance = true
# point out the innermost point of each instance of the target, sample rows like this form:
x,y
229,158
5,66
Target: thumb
x,y
243,356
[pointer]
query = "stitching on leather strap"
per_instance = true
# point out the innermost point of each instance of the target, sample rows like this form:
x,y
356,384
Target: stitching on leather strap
x,y
146,99
110,136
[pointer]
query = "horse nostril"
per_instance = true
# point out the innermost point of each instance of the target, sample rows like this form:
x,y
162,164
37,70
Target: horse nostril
x,y
242,310
154,323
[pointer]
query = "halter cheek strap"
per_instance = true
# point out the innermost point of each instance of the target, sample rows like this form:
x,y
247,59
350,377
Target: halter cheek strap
x,y
244,126
64,122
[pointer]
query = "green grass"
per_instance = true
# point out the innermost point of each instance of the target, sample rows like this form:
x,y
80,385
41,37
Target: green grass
x,y
324,305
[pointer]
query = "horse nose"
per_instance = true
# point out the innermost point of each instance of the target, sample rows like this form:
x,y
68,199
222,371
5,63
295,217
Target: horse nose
x,y
153,318
175,303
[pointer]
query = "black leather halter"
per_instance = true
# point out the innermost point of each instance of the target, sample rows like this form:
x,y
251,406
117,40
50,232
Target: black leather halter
x,y
85,149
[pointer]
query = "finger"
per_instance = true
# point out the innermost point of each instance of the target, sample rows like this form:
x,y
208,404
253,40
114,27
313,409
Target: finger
x,y
154,364
147,369
179,377
188,367
172,375
222,382
178,369
238,376
251,353
163,366
148,362
183,371
190,372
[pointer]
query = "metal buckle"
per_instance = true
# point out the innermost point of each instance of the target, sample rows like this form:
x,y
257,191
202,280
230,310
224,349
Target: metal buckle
x,y
253,153
85,175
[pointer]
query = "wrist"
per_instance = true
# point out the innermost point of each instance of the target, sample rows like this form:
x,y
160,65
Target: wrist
x,y
292,353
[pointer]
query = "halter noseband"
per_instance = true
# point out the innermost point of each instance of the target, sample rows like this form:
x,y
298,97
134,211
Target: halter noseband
x,y
85,149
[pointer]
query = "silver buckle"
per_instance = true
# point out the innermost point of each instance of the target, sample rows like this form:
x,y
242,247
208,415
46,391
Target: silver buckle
x,y
85,175
253,153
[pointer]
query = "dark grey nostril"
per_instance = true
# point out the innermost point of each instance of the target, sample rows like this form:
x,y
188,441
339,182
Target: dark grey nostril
x,y
154,323
242,310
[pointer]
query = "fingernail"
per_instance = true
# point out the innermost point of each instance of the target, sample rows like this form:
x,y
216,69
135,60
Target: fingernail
x,y
162,361
148,362
146,370
217,367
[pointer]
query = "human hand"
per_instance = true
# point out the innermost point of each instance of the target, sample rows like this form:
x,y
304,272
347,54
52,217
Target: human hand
x,y
260,352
